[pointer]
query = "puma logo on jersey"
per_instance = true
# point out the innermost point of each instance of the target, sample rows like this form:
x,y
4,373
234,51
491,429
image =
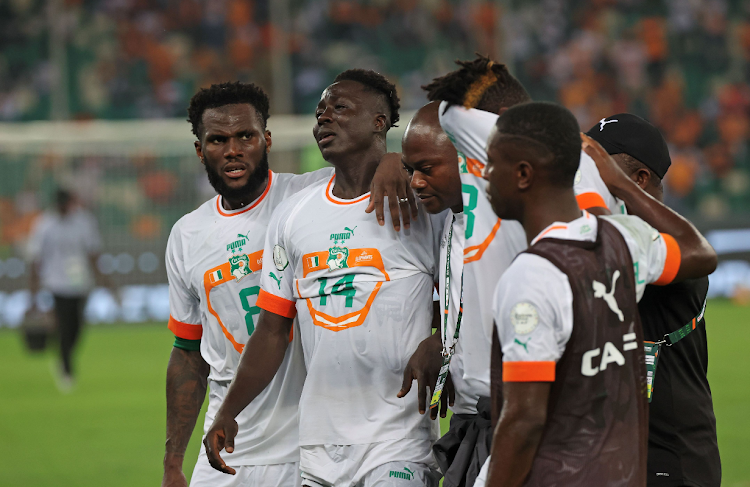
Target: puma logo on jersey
x,y
277,279
406,475
600,291
340,238
604,122
610,355
524,345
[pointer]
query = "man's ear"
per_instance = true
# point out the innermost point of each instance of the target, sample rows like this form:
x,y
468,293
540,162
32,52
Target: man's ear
x,y
381,122
642,178
524,175
199,151
269,142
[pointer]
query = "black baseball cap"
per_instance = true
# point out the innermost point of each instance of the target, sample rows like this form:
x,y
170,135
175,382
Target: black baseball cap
x,y
632,135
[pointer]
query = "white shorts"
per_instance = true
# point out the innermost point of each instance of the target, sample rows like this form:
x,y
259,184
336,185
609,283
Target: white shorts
x,y
395,463
481,480
278,475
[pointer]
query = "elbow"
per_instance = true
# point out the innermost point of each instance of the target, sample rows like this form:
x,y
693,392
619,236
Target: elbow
x,y
697,264
706,260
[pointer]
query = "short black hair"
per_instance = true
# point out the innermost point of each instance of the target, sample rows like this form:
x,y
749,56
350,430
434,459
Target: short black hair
x,y
222,94
377,83
550,127
481,83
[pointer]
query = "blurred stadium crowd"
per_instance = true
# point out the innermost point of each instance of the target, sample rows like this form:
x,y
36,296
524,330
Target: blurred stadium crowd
x,y
682,64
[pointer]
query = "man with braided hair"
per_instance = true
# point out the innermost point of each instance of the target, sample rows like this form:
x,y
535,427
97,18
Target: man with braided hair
x,y
471,98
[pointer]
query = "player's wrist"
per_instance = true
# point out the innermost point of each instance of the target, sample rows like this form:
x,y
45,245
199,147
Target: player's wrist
x,y
173,461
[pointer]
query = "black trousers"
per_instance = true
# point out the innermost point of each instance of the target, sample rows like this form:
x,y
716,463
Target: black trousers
x,y
69,315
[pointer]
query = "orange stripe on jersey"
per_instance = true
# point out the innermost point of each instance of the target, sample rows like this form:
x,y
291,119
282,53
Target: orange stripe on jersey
x,y
475,252
212,278
590,200
554,227
256,261
314,261
329,195
367,257
528,371
671,263
185,331
275,304
265,192
338,323
474,167
317,261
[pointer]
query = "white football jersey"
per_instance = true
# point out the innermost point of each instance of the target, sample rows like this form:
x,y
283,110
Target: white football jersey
x,y
536,289
213,259
490,246
363,297
493,242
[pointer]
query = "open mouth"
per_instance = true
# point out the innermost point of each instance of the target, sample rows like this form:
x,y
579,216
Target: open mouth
x,y
235,171
325,139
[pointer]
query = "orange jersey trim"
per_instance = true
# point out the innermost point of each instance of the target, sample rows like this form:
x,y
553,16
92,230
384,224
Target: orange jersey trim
x,y
265,192
474,167
315,261
554,227
475,252
208,284
329,195
185,331
590,200
671,263
338,323
529,371
275,304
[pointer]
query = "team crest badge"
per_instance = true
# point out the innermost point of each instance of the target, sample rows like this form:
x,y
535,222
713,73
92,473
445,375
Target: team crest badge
x,y
337,257
239,266
462,166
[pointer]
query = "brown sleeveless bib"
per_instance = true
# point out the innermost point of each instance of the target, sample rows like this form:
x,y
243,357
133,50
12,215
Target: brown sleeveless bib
x,y
597,418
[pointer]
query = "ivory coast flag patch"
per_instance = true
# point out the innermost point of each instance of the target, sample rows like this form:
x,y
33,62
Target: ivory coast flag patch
x,y
216,276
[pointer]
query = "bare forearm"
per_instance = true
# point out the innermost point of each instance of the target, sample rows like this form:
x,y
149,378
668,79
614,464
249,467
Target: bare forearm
x,y
260,360
513,449
698,258
187,377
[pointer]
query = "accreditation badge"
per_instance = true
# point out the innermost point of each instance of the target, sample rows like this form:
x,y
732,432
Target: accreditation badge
x,y
652,358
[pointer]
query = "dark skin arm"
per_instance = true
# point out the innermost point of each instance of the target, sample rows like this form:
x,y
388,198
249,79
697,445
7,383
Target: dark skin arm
x,y
392,180
187,376
424,367
518,432
698,258
260,360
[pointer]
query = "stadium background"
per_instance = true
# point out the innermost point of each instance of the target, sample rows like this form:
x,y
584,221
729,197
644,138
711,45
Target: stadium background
x,y
93,96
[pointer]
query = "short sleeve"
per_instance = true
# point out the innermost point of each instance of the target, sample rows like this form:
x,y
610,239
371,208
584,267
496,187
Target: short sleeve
x,y
589,187
468,129
298,182
184,305
656,256
277,277
533,313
